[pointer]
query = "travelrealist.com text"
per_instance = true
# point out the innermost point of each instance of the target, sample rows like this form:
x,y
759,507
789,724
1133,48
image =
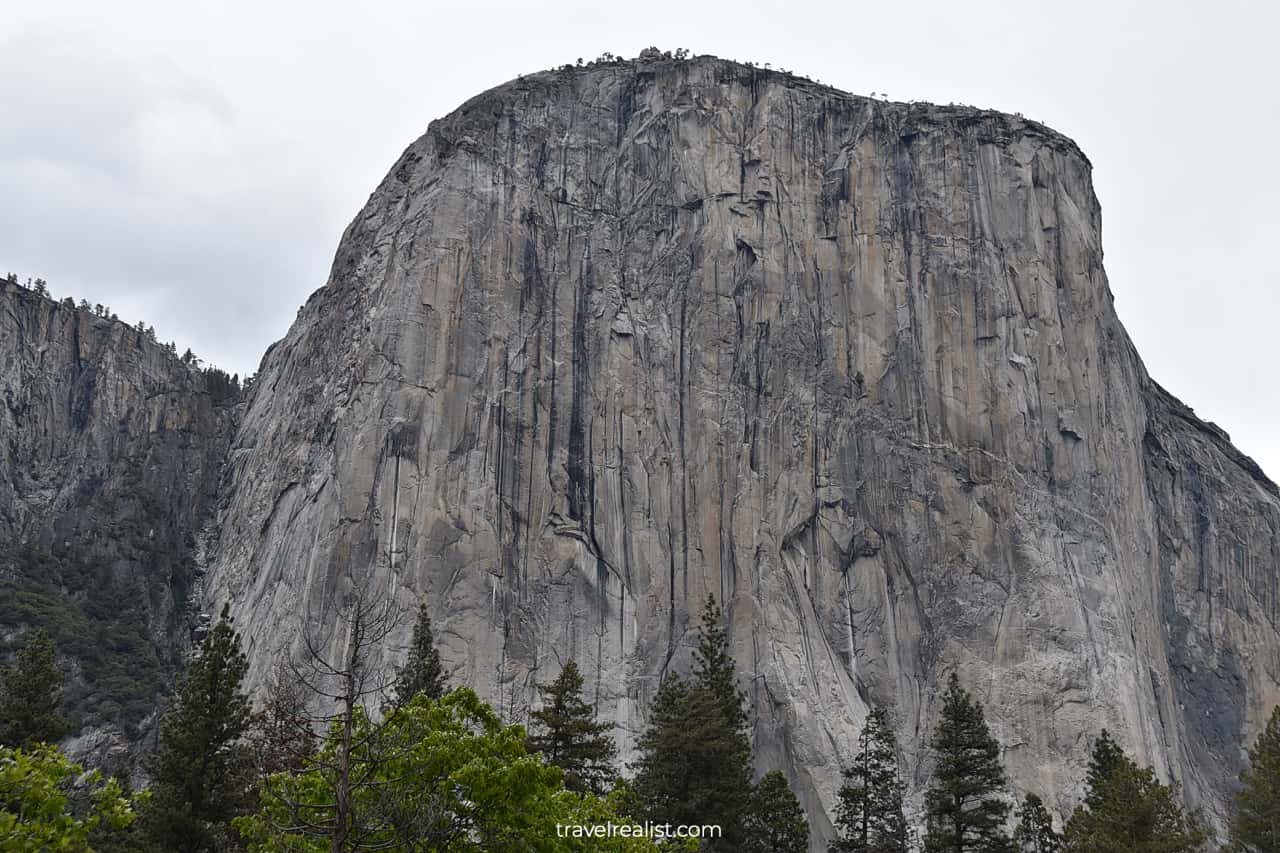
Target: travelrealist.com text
x,y
648,829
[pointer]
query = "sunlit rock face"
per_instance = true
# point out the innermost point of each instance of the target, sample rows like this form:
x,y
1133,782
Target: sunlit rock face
x,y
607,340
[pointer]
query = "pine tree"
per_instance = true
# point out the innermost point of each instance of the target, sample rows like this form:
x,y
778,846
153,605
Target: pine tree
x,y
694,768
723,778
713,665
567,735
31,698
422,672
1255,827
965,810
775,823
662,780
202,771
869,815
1134,813
1035,828
1106,758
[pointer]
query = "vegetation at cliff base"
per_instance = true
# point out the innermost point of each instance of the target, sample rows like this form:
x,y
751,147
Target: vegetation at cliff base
x,y
31,694
441,771
49,803
966,809
566,733
202,771
1035,832
695,755
869,817
1128,810
775,822
422,671
1256,827
442,775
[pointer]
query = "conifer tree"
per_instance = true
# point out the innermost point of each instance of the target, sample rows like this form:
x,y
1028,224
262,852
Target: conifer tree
x,y
713,665
965,809
422,672
1255,827
662,783
775,823
1134,813
694,768
715,675
1106,758
31,695
869,814
202,771
1035,832
567,735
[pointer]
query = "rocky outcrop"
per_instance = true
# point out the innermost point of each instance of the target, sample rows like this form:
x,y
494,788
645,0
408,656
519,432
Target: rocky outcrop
x,y
109,466
609,339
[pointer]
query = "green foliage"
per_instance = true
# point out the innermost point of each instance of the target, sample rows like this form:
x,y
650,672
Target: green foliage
x,y
97,599
442,776
422,672
1107,757
38,811
869,815
1131,813
965,809
1255,827
565,732
31,695
202,771
223,388
775,823
695,756
694,768
713,665
1035,833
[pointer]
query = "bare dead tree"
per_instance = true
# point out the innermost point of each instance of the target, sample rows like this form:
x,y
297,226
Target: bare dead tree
x,y
323,690
282,734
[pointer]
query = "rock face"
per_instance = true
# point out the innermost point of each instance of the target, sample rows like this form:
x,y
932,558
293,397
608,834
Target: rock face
x,y
609,339
108,469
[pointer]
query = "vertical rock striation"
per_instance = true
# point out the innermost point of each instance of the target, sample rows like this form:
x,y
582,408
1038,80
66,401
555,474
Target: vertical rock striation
x,y
609,339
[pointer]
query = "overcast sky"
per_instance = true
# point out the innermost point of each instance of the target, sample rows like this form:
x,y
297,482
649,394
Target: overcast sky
x,y
196,168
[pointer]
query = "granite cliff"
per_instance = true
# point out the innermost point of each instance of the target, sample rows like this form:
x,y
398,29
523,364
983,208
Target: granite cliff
x,y
610,338
112,448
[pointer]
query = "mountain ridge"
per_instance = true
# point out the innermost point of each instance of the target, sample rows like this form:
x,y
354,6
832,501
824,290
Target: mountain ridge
x,y
609,338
